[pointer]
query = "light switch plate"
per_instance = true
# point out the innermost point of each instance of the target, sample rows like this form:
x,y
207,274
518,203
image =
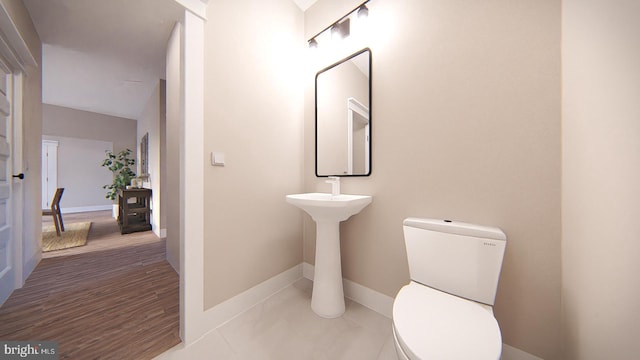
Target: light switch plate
x,y
217,159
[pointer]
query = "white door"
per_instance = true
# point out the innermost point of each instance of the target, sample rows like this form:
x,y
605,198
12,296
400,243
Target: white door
x,y
49,171
7,242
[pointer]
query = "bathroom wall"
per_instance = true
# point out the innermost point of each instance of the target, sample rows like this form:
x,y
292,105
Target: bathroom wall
x,y
600,179
253,114
466,125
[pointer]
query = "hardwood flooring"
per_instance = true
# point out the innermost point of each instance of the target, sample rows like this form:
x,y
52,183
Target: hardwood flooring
x,y
114,298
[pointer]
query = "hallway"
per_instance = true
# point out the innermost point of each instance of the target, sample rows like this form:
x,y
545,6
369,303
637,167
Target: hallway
x,y
115,297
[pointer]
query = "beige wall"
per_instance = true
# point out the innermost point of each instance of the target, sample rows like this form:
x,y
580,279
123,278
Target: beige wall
x,y
173,134
466,125
72,126
600,179
253,113
32,130
67,122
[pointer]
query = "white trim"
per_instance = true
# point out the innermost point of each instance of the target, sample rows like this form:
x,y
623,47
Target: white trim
x,y
229,309
79,209
191,188
161,233
511,353
354,106
196,7
49,171
378,302
18,185
308,270
30,264
176,268
383,305
18,53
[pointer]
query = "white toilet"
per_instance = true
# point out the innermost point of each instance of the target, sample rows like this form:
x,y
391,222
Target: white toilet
x,y
446,312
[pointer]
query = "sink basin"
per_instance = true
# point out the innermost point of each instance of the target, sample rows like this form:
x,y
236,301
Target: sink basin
x,y
324,207
328,211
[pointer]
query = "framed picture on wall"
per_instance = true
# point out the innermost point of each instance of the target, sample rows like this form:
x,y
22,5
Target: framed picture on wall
x,y
144,155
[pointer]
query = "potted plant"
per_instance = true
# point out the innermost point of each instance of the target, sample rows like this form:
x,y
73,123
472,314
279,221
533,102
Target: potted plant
x,y
120,165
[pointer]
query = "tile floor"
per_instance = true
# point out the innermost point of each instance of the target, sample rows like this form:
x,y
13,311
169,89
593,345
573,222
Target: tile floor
x,y
284,327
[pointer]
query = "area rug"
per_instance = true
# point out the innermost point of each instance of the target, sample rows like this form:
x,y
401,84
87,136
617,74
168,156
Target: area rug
x,y
75,234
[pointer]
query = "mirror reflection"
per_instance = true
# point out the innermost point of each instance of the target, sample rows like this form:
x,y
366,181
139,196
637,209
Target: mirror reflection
x,y
343,117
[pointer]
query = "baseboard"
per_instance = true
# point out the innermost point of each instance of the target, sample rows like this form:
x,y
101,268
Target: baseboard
x,y
161,233
223,312
378,302
175,264
383,305
79,209
511,353
30,265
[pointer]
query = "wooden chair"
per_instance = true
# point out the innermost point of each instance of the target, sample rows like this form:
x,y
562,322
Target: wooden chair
x,y
55,211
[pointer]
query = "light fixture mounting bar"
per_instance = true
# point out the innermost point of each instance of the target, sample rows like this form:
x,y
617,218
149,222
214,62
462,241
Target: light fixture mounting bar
x,y
338,21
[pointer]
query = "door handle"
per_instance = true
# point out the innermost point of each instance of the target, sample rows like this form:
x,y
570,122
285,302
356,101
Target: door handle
x,y
19,176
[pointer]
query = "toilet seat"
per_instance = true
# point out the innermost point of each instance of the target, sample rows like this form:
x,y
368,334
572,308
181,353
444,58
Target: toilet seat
x,y
431,324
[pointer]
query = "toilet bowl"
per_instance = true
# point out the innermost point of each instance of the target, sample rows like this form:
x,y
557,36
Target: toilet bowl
x,y
445,312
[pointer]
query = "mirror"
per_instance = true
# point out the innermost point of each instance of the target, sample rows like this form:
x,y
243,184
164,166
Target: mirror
x,y
343,117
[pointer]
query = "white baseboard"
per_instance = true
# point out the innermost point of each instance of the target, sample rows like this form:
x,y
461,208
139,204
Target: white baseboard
x,y
30,265
383,305
71,210
226,311
223,312
378,302
174,264
511,353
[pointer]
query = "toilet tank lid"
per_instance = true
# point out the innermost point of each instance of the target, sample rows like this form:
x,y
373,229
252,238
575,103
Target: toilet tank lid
x,y
456,227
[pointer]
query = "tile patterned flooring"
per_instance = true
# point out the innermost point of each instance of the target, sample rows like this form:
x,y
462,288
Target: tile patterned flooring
x,y
284,327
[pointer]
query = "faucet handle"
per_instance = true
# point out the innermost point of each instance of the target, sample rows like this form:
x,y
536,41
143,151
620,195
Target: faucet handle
x,y
335,185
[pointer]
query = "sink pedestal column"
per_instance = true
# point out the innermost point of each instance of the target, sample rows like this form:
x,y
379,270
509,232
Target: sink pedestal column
x,y
327,299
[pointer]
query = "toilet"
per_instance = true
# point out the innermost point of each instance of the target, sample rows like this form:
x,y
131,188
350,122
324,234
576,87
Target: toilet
x,y
446,310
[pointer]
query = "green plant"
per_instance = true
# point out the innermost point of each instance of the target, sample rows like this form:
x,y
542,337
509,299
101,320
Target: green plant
x,y
119,164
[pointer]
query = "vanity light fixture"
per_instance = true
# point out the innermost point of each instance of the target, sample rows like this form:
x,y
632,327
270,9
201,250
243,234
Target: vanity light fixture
x,y
342,27
363,11
341,30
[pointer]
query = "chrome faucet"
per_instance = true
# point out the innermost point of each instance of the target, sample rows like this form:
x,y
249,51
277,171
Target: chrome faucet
x,y
335,185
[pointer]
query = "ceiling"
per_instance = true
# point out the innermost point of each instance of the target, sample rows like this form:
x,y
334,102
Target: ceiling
x,y
104,56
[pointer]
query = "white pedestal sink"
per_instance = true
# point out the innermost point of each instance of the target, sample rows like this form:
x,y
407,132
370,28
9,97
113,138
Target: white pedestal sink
x,y
328,211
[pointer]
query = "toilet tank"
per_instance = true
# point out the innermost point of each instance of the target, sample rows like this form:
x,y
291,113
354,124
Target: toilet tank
x,y
458,258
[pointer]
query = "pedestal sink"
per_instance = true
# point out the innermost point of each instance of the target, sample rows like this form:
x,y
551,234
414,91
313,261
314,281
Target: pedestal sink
x,y
328,211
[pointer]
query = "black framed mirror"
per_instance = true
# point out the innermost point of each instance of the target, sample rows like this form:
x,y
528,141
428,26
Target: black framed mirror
x,y
343,117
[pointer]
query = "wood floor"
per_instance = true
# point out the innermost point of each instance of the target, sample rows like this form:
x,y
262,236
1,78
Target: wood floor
x,y
115,298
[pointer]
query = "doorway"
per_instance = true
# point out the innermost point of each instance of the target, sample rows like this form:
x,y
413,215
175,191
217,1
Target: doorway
x,y
49,171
